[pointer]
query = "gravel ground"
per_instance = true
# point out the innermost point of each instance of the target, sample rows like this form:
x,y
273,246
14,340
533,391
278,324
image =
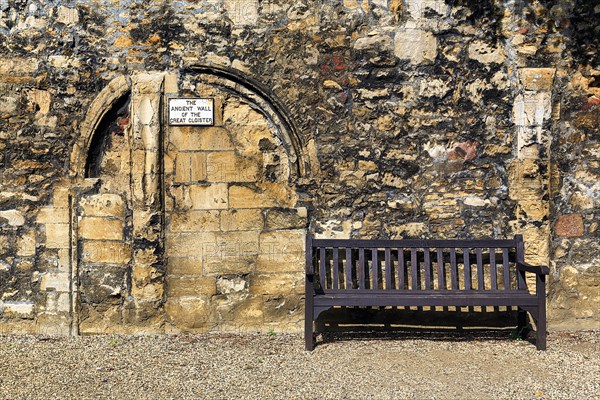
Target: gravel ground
x,y
400,365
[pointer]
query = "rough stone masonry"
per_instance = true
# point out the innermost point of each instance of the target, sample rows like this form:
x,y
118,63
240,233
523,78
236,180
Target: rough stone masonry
x,y
353,118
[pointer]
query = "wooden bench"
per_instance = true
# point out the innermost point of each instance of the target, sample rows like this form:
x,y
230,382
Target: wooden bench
x,y
415,273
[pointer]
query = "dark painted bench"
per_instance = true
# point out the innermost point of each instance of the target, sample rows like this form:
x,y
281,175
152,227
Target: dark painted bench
x,y
417,273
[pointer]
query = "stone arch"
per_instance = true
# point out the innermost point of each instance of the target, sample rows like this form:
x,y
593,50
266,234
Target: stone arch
x,y
263,99
104,101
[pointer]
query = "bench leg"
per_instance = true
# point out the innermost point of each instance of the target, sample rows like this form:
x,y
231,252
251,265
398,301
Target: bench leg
x,y
522,323
540,290
540,342
309,317
309,336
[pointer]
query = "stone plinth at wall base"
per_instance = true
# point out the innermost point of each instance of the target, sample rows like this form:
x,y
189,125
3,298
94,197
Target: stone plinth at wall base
x,y
576,324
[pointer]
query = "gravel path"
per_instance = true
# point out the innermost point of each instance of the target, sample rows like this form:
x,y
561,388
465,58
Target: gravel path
x,y
404,365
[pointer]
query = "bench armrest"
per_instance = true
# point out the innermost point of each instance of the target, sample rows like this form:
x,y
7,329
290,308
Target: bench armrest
x,y
536,269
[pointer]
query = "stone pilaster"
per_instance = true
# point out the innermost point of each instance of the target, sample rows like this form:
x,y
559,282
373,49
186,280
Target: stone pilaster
x,y
528,173
147,277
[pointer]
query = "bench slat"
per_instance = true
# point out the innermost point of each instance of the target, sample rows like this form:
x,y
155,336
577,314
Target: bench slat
x,y
506,270
361,266
521,259
322,270
428,298
336,272
416,243
401,269
414,268
348,284
374,270
440,269
427,262
493,270
388,268
467,270
453,269
480,277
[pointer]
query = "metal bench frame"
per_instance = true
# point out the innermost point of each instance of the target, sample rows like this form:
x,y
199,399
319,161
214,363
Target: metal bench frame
x,y
405,273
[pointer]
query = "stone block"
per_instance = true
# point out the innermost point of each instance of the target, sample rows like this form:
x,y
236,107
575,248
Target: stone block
x,y
57,236
532,210
227,166
536,244
242,12
569,225
573,302
195,244
18,309
103,205
170,85
232,284
190,167
18,65
195,221
283,242
184,266
410,230
26,244
286,218
100,320
538,79
261,196
239,311
581,201
145,223
209,197
67,16
200,138
64,260
52,215
281,262
242,220
60,197
57,302
532,109
283,308
105,252
229,264
418,46
105,284
53,324
147,258
100,228
375,42
187,312
232,252
421,10
277,284
58,282
193,286
486,53
236,243
12,217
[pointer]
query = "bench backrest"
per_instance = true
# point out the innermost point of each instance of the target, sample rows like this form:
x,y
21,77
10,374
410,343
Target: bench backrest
x,y
348,264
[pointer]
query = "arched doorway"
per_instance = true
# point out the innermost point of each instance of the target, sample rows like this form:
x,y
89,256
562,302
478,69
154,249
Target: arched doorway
x,y
187,228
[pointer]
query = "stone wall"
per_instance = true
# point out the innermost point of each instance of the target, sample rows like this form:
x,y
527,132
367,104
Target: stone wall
x,y
372,119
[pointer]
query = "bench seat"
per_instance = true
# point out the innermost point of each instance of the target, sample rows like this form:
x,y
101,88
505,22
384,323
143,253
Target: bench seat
x,y
433,298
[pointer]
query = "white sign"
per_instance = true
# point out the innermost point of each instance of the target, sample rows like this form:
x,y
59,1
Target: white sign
x,y
191,112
